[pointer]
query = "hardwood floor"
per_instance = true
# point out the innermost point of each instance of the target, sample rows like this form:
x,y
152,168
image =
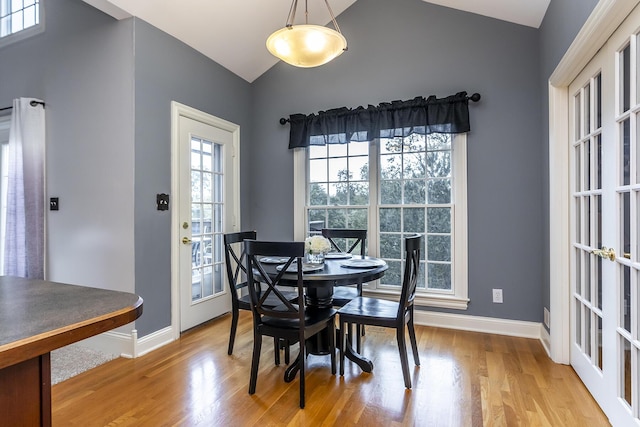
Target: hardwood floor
x,y
465,379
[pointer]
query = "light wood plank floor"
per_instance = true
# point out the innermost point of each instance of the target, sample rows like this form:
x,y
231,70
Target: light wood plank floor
x,y
465,379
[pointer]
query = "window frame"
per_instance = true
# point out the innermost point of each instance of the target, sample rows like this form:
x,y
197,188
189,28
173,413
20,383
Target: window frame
x,y
26,32
458,297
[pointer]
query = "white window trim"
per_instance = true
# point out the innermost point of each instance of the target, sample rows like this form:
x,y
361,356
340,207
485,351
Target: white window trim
x,y
27,32
459,299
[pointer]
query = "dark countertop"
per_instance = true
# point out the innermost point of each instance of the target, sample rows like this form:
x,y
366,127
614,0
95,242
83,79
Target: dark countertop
x,y
38,316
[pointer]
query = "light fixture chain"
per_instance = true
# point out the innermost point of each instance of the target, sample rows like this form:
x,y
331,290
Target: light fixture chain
x,y
333,18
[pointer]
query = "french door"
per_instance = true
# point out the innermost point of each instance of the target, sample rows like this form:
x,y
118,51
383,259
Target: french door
x,y
207,174
605,233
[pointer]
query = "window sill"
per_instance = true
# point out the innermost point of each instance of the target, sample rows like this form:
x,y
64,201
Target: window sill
x,y
440,301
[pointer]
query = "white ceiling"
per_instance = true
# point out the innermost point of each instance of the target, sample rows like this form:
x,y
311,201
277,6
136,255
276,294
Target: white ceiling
x,y
207,26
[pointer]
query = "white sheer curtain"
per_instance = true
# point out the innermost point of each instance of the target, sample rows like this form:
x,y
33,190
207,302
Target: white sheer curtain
x,y
24,237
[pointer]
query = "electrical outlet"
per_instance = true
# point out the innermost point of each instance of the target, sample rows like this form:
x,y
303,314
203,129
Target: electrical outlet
x,y
497,296
546,317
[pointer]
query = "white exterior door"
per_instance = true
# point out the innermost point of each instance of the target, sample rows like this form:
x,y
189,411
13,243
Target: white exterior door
x,y
207,197
605,215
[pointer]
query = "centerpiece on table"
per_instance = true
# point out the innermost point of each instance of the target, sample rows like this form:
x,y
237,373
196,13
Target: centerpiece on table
x,y
316,247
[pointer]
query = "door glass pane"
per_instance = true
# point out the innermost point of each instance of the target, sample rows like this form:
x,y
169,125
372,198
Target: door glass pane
x,y
625,222
587,278
625,301
578,220
637,162
598,353
588,335
587,221
587,165
598,161
625,89
598,221
578,325
598,265
587,110
578,271
625,171
597,101
577,117
625,370
578,168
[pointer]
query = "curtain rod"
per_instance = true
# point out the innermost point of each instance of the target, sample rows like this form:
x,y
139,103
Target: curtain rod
x,y
32,103
475,98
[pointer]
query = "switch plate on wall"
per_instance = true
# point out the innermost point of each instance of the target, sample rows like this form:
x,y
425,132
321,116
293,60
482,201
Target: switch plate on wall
x,y
162,202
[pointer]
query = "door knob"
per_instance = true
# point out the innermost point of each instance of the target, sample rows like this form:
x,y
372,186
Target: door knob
x,y
186,240
605,253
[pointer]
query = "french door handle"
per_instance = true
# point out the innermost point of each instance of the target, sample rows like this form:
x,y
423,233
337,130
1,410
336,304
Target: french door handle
x,y
186,240
605,253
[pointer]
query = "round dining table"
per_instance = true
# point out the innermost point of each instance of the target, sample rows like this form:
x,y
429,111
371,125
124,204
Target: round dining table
x,y
319,284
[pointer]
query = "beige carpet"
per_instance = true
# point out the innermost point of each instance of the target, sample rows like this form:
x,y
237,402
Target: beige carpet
x,y
74,359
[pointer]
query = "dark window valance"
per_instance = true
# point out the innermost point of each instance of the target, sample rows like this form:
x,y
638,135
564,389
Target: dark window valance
x,y
418,115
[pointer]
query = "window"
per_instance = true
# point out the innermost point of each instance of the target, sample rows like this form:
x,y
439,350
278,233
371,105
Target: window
x,y
393,187
338,186
19,19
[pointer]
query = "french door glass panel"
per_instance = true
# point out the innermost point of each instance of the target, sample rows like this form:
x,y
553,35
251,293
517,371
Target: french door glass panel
x,y
605,210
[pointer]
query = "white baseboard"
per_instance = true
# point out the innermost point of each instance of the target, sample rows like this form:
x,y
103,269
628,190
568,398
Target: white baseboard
x,y
490,325
154,340
545,339
128,345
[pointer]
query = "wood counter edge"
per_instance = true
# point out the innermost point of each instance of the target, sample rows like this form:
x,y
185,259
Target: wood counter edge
x,y
28,348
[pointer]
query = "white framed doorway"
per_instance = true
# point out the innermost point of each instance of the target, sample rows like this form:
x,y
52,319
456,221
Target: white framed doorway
x,y
205,180
587,308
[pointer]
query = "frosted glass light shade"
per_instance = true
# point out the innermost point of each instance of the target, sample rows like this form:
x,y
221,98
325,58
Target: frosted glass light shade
x,y
306,45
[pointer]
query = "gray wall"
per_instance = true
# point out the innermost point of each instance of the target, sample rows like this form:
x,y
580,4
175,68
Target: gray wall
x,y
167,70
561,24
406,48
81,67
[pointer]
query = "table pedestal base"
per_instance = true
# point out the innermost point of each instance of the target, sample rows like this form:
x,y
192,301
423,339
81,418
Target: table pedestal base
x,y
315,346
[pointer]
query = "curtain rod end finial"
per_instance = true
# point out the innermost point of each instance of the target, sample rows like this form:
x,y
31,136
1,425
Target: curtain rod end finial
x,y
475,97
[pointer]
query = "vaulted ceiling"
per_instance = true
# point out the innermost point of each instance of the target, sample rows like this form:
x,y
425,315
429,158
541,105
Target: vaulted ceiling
x,y
220,29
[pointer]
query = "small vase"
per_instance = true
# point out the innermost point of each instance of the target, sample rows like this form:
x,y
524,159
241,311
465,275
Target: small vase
x,y
317,258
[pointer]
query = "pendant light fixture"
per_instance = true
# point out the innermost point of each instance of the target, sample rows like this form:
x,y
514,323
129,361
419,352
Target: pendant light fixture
x,y
306,45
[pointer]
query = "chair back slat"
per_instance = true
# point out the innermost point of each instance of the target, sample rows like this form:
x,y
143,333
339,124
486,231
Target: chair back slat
x,y
359,235
235,266
411,270
255,250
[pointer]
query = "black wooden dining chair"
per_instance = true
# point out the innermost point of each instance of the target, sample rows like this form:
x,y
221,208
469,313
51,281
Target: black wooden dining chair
x,y
347,240
237,275
390,314
288,321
